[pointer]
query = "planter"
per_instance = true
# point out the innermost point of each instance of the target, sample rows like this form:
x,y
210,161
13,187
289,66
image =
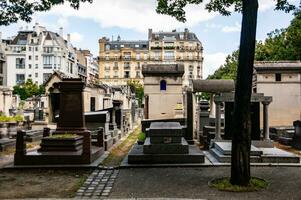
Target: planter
x,y
61,144
140,142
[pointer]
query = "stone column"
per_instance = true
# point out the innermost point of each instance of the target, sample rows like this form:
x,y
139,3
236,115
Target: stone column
x,y
218,121
266,131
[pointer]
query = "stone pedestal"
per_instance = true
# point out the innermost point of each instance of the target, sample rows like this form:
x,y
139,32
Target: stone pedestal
x,y
165,138
165,145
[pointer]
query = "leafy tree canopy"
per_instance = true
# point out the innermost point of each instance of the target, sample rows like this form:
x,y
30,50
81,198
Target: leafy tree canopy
x,y
11,11
138,89
175,8
28,89
283,44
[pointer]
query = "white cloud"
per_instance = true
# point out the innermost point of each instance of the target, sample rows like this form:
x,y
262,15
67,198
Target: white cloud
x,y
132,14
212,62
229,29
76,37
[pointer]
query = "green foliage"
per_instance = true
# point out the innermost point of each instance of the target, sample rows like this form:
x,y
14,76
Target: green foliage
x,y
175,8
283,44
225,185
141,136
138,89
11,11
227,70
28,89
17,118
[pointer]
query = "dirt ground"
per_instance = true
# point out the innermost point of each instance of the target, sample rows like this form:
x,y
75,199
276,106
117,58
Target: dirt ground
x,y
40,183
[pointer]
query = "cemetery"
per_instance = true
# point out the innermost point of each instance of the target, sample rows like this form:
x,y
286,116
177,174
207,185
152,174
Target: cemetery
x,y
184,132
150,119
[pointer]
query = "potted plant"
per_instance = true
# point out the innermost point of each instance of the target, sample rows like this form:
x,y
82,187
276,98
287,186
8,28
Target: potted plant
x,y
141,138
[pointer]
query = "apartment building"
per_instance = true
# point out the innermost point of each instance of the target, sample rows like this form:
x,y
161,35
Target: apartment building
x,y
122,60
35,54
88,65
2,64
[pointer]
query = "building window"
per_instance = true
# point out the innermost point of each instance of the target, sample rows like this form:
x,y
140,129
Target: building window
x,y
92,104
20,63
29,66
138,56
107,47
127,65
126,74
29,57
20,78
37,48
127,55
190,67
46,76
47,62
29,48
163,85
137,74
48,49
37,66
157,55
169,55
1,68
29,75
36,75
37,57
278,77
1,80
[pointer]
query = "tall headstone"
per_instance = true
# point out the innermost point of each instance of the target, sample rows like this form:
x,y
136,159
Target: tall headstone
x,y
71,115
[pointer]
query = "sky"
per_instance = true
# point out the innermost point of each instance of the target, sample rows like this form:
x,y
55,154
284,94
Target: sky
x,y
131,19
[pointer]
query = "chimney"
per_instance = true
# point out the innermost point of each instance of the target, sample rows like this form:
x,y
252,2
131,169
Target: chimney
x,y
36,28
150,32
61,32
68,37
186,33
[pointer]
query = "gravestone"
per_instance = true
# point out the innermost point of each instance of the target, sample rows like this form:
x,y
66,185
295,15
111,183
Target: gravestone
x,y
73,148
165,138
165,144
296,141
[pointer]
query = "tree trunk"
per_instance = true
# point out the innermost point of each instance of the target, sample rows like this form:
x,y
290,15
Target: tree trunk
x,y
241,140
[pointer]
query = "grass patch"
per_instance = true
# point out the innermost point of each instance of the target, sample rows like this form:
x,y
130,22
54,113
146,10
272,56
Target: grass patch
x,y
224,184
67,135
118,153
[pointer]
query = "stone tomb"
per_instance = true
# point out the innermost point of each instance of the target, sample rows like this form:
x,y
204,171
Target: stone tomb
x,y
221,152
165,145
63,149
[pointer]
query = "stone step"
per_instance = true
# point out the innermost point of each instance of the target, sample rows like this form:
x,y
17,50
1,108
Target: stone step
x,y
136,156
225,148
172,148
227,158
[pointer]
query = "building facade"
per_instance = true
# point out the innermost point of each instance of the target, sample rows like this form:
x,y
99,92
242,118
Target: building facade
x,y
2,63
35,54
122,60
282,81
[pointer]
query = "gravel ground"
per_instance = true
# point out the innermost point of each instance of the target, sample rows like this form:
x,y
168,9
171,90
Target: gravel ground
x,y
284,183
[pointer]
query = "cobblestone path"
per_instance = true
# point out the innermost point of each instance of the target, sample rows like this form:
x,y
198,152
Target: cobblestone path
x,y
98,184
